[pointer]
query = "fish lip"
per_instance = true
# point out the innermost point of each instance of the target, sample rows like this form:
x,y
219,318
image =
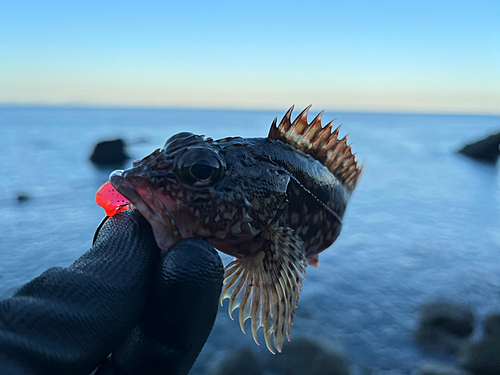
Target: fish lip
x,y
152,209
117,179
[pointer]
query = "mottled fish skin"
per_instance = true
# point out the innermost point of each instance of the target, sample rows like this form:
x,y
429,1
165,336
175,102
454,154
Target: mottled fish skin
x,y
269,202
264,180
313,204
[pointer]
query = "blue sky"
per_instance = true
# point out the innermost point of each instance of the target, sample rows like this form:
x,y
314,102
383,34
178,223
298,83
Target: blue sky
x,y
403,56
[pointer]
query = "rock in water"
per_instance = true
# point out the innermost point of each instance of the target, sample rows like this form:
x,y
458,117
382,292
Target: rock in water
x,y
483,356
109,153
306,356
486,149
492,326
444,326
22,198
242,361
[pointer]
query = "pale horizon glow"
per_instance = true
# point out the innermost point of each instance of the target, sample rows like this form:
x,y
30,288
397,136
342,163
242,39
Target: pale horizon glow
x,y
419,57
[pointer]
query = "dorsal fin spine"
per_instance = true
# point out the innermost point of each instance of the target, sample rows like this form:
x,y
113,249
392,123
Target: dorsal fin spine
x,y
319,142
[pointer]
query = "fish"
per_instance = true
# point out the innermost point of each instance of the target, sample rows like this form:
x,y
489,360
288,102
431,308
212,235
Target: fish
x,y
272,203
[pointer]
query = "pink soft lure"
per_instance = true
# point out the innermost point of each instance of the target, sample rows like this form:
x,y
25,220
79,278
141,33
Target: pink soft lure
x,y
111,200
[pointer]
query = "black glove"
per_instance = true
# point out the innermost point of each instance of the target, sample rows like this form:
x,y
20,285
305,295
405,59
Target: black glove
x,y
152,314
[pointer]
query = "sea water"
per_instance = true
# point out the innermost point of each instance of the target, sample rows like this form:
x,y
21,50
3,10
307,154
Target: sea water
x,y
422,225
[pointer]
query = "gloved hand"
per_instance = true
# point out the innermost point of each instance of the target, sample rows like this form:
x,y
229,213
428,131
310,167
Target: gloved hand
x,y
152,313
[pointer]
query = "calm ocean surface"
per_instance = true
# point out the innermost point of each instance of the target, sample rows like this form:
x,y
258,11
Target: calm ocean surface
x,y
422,225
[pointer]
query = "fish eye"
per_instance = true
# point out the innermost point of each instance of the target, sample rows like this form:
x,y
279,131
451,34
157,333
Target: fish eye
x,y
199,168
202,169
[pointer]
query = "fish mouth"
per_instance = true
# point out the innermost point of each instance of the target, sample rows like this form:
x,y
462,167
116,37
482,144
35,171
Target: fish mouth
x,y
142,195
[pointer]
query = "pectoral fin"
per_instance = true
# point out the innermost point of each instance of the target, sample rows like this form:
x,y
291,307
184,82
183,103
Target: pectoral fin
x,y
266,285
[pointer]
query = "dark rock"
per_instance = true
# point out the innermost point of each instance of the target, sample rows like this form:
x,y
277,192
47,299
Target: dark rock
x,y
22,198
486,149
241,362
444,326
109,153
481,357
492,326
436,368
304,356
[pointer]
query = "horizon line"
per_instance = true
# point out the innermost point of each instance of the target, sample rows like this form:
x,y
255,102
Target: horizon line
x,y
91,106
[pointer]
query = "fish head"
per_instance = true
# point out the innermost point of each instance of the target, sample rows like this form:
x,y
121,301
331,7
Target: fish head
x,y
197,187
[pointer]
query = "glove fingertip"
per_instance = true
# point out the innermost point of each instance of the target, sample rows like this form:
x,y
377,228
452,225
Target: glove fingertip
x,y
180,313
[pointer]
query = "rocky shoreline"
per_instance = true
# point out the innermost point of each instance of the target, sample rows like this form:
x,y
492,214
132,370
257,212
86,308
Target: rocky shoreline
x,y
442,328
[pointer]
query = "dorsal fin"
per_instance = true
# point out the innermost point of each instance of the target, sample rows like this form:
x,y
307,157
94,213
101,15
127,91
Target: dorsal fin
x,y
319,142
